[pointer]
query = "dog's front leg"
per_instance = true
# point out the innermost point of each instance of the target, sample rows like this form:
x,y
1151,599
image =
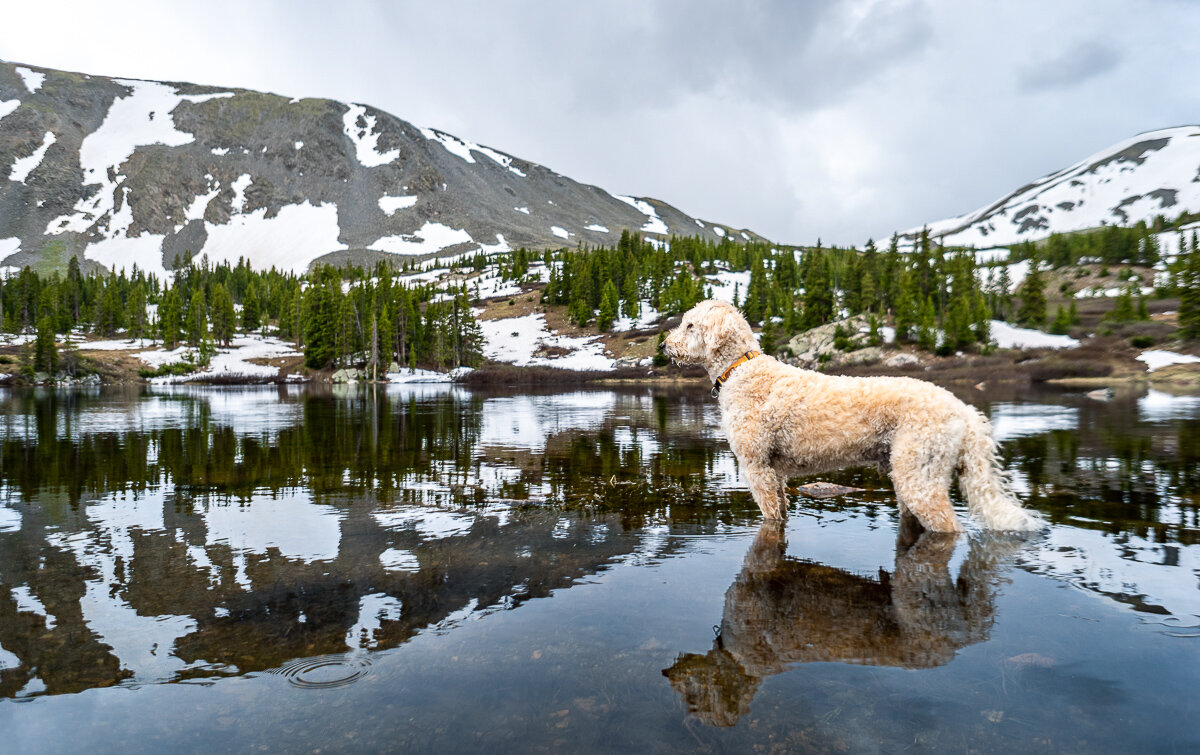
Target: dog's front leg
x,y
766,486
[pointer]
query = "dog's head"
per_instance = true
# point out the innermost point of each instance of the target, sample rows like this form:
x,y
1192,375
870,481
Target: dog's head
x,y
709,332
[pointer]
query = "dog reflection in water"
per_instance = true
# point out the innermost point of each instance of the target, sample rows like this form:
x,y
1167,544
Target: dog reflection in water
x,y
781,611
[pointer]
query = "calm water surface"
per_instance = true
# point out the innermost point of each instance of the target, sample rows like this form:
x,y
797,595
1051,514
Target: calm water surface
x,y
433,569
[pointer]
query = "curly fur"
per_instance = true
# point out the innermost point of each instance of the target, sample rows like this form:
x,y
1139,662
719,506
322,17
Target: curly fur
x,y
784,422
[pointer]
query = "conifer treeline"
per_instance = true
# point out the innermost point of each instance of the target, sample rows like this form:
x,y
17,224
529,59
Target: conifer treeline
x,y
925,291
339,316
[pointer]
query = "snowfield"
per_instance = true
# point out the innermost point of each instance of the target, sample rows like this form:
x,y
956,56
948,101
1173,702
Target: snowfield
x,y
431,237
1135,179
516,340
1011,337
1156,359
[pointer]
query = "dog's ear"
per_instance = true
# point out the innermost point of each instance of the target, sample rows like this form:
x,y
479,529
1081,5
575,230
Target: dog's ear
x,y
719,327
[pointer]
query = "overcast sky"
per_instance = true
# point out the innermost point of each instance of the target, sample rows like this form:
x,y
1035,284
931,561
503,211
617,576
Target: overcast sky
x,y
839,119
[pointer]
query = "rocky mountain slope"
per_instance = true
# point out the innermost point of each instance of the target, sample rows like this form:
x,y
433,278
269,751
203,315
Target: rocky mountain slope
x,y
121,172
1155,173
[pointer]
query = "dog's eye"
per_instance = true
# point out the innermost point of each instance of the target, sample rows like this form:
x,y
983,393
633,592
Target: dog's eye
x,y
689,327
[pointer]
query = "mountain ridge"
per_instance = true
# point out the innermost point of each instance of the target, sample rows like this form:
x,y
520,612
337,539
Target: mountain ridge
x,y
134,171
1152,173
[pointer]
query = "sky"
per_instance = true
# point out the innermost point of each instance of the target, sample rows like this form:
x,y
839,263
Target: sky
x,y
834,119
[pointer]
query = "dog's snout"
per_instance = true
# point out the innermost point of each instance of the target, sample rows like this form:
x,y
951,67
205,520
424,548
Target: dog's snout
x,y
662,345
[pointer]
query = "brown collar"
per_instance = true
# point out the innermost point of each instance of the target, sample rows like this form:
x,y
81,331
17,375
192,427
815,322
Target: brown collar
x,y
736,363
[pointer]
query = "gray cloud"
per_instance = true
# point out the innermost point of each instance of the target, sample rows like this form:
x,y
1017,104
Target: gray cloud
x,y
797,118
1081,62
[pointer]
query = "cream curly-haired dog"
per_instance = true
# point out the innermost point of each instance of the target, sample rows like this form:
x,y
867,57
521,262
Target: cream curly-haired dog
x,y
783,422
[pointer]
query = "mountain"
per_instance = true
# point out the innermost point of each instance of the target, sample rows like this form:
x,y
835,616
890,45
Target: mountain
x,y
120,172
1151,174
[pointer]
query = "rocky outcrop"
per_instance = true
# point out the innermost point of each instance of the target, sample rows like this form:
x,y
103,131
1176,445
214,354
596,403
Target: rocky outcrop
x,y
844,342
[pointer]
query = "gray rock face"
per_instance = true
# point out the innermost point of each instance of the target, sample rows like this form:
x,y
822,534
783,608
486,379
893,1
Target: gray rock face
x,y
120,172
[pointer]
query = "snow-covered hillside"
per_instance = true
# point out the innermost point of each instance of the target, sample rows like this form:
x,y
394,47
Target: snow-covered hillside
x,y
1151,174
119,172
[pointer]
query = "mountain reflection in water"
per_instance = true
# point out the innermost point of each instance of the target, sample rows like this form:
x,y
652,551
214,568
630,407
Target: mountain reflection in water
x,y
176,534
781,611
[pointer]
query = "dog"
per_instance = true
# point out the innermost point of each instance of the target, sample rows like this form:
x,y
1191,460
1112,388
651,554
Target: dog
x,y
782,421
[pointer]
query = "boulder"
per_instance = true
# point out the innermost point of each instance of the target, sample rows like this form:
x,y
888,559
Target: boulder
x,y
903,359
813,347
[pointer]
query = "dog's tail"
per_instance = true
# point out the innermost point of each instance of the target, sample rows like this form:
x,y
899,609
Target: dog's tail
x,y
985,485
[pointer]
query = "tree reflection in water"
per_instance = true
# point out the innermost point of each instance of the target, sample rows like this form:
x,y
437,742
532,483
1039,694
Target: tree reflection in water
x,y
782,611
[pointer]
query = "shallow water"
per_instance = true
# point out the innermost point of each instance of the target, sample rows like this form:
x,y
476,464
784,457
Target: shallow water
x,y
427,568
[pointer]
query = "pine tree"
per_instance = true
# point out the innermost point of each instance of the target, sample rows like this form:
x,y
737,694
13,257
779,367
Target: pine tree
x,y
1123,310
927,326
45,356
818,291
223,316
755,306
251,310
1188,283
907,312
608,306
981,321
1033,298
110,316
196,321
770,334
170,318
137,311
1062,321
387,337
319,324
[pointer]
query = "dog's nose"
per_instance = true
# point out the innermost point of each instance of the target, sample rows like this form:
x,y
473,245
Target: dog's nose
x,y
662,345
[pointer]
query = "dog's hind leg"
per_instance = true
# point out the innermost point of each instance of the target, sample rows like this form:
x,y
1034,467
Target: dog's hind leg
x,y
767,488
921,470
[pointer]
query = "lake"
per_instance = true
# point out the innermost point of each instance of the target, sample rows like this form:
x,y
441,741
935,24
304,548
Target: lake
x,y
427,568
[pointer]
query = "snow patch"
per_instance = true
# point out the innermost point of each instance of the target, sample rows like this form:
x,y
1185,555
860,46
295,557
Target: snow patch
x,y
559,232
9,246
299,528
10,520
396,559
1011,337
1158,406
462,148
7,106
1156,359
289,242
517,339
724,284
23,166
431,237
432,524
365,138
654,224
195,210
1022,420
390,204
239,186
524,210
647,316
596,227
33,79
121,253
